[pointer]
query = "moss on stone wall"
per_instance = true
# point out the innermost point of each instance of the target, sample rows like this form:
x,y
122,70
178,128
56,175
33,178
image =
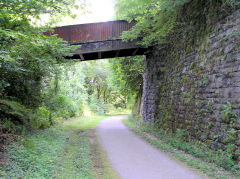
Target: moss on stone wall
x,y
198,85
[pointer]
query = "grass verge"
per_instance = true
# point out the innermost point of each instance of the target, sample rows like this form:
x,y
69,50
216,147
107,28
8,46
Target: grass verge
x,y
101,167
68,150
190,154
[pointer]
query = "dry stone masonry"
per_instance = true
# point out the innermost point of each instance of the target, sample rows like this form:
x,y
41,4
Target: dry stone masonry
x,y
197,90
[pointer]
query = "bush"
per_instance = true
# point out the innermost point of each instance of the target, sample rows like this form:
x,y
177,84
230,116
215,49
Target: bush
x,y
62,106
97,105
41,118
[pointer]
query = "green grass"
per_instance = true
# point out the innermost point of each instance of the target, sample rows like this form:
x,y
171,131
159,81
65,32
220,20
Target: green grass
x,y
62,151
197,157
119,111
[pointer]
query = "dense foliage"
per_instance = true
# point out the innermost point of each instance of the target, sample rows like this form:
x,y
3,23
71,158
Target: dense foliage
x,y
111,84
127,77
37,85
156,20
127,73
26,57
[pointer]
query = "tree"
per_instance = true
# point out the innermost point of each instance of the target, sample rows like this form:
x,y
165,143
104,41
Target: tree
x,y
26,56
157,19
127,77
127,74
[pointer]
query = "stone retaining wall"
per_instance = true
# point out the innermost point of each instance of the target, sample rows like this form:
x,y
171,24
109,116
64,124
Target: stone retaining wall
x,y
197,89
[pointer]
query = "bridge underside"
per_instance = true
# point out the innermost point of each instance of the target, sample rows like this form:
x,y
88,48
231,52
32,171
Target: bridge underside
x,y
107,49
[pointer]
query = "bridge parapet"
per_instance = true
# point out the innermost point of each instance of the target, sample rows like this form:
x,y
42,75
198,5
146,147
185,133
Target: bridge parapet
x,y
99,40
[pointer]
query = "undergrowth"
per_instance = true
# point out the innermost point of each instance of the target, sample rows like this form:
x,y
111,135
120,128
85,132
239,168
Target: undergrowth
x,y
62,151
217,164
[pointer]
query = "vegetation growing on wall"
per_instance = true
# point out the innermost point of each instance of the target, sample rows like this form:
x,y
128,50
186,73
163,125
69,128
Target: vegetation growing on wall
x,y
157,20
214,163
193,65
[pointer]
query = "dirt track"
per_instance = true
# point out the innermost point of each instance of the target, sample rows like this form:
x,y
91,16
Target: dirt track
x,y
133,158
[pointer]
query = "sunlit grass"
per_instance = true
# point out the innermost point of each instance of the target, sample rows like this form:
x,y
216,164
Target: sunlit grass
x,y
119,111
83,123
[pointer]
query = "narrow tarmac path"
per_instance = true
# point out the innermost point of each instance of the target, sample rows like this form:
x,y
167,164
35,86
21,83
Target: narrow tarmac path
x,y
133,158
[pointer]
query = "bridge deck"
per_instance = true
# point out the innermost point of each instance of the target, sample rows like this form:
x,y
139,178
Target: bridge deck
x,y
99,40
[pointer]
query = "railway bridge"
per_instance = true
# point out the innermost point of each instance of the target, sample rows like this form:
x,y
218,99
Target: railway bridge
x,y
99,40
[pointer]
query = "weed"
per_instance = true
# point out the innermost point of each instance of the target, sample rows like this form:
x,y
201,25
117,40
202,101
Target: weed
x,y
228,115
216,164
205,80
62,151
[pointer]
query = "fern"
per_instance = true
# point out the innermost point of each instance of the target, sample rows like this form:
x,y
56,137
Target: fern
x,y
15,109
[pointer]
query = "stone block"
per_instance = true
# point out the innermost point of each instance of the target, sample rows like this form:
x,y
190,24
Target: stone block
x,y
229,48
220,61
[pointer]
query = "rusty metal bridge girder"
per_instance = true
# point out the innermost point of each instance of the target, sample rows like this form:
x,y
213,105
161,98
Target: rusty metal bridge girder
x,y
99,40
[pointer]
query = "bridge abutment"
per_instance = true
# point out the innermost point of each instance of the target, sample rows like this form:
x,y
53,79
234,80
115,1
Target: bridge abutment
x,y
151,81
196,89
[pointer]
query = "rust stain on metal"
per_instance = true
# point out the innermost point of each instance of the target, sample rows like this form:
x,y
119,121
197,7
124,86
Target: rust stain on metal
x,y
99,40
83,33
